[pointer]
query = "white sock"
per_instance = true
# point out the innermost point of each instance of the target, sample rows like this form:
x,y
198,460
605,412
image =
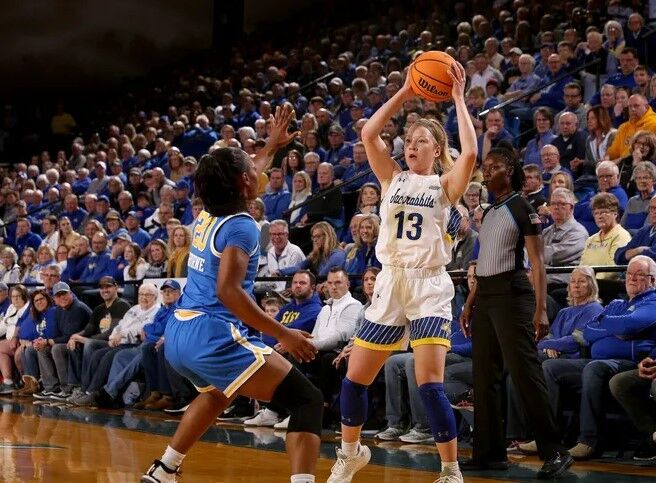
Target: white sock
x,y
8,382
450,467
172,458
350,449
302,478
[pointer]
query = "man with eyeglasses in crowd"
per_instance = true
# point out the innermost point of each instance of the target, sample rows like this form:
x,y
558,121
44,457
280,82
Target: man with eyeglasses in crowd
x,y
564,241
125,335
573,103
50,275
617,339
608,176
282,254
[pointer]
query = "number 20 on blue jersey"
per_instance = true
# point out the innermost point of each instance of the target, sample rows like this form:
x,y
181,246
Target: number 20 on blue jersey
x,y
202,230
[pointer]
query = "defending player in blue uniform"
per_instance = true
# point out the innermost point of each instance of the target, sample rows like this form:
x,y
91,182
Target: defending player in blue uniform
x,y
413,292
206,338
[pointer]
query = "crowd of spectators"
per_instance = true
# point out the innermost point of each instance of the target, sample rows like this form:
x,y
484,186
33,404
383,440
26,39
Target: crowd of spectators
x,y
117,206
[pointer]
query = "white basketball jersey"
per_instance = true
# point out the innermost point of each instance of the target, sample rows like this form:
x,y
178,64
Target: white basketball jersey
x,y
414,218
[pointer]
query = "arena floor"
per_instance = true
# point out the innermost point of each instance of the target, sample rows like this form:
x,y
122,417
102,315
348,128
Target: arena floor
x,y
52,442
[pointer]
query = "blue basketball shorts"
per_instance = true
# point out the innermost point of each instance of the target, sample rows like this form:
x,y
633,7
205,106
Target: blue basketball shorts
x,y
212,352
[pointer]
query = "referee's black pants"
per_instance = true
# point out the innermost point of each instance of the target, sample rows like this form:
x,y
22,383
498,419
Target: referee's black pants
x,y
504,337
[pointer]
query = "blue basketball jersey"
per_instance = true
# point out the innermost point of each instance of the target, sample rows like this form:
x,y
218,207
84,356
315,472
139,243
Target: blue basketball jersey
x,y
211,235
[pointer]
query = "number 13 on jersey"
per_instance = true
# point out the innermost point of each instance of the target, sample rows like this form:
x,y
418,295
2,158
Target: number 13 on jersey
x,y
413,221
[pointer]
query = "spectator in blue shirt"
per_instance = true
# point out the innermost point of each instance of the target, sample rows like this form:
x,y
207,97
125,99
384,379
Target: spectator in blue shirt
x,y
102,208
527,81
608,180
248,115
543,122
98,263
552,95
357,113
182,205
643,242
618,338
138,234
73,211
339,153
78,259
628,63
301,312
198,141
359,166
25,237
637,208
160,157
162,217
277,201
495,132
82,182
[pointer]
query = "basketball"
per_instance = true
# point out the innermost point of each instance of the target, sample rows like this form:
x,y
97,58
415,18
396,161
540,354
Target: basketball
x,y
430,77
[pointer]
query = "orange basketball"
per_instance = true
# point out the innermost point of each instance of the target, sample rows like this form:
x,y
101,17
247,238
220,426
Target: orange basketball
x,y
430,77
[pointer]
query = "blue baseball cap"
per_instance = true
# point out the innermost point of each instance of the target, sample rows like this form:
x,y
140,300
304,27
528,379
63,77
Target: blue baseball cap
x,y
103,198
170,283
182,185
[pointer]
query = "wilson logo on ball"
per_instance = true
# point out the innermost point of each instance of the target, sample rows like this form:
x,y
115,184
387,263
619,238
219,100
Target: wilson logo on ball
x,y
424,84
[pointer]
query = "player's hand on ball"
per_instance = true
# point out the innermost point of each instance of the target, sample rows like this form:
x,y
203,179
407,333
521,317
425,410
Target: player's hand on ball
x,y
298,344
459,78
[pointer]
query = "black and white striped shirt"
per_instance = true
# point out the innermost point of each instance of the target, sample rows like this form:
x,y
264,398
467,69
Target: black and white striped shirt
x,y
502,233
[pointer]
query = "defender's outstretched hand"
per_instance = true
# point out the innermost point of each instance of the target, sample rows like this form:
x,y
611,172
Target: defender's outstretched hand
x,y
279,136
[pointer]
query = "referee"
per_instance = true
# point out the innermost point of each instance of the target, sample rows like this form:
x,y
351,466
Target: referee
x,y
504,305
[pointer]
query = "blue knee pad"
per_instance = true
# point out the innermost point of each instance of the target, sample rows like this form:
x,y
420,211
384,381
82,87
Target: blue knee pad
x,y
439,412
353,403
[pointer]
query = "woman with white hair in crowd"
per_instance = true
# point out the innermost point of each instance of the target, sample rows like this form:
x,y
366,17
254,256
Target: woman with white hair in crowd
x,y
560,342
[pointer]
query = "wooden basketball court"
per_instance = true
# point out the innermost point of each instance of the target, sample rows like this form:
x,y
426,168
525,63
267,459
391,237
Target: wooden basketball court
x,y
54,442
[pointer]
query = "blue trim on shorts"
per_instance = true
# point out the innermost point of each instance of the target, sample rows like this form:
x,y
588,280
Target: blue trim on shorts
x,y
380,334
430,327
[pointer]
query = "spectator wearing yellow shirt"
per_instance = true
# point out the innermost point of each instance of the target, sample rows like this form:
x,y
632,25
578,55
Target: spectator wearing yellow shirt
x,y
641,118
62,123
600,248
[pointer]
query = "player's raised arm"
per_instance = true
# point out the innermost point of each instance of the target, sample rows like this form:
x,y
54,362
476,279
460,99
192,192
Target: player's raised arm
x,y
380,160
277,138
456,181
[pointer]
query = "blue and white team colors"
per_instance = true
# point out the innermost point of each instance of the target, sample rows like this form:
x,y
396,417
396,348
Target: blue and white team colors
x,y
413,292
205,342
414,231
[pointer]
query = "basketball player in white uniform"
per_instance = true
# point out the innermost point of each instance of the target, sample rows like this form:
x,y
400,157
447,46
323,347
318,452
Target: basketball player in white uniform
x,y
412,296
